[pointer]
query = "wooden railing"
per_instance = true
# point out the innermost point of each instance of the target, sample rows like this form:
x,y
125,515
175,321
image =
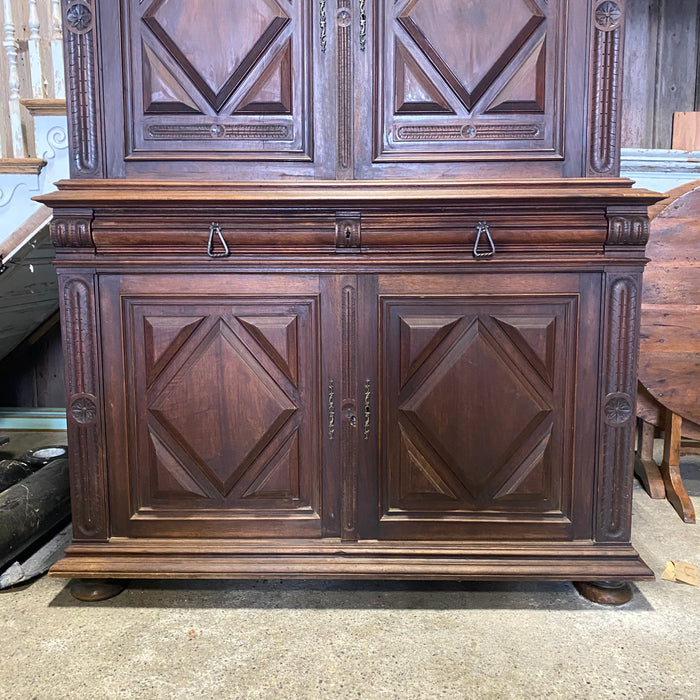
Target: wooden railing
x,y
31,73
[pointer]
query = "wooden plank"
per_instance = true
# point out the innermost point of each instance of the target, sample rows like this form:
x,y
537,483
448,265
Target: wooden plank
x,y
676,72
641,38
686,131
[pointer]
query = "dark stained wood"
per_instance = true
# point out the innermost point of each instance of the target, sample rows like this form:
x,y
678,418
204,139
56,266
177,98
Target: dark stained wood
x,y
345,388
221,404
465,367
407,90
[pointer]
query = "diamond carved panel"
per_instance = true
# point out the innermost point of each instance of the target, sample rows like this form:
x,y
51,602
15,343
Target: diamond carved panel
x,y
222,408
478,457
490,35
216,43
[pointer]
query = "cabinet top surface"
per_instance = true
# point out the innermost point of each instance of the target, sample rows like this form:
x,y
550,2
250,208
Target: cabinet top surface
x,y
342,193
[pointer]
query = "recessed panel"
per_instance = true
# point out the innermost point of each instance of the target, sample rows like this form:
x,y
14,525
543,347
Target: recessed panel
x,y
218,80
483,79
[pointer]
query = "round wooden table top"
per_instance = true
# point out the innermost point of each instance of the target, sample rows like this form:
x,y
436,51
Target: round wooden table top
x,y
669,355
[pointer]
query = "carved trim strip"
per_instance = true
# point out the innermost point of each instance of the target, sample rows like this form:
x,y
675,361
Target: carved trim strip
x,y
469,132
606,61
617,409
205,132
349,444
80,48
344,79
85,439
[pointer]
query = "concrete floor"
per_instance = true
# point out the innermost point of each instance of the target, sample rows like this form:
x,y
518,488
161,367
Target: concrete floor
x,y
337,640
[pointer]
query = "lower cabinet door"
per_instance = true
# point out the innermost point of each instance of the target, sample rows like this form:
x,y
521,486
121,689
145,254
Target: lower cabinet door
x,y
211,384
487,387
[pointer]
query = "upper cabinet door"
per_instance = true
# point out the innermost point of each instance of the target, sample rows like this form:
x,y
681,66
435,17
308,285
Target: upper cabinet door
x,y
473,87
274,89
223,82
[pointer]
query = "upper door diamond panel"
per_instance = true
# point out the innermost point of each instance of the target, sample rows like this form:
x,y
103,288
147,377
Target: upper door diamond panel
x,y
470,65
218,79
189,35
490,77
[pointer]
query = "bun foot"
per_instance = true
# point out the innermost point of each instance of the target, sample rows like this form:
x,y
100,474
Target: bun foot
x,y
605,592
92,590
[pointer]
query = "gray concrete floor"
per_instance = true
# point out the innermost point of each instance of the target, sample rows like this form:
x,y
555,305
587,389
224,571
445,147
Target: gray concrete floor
x,y
337,640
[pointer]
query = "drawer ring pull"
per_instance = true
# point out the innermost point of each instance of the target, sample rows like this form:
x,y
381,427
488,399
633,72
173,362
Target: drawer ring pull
x,y
483,228
214,228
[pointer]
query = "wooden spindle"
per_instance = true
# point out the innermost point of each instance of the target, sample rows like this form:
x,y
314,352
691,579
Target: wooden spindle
x,y
16,147
59,85
34,50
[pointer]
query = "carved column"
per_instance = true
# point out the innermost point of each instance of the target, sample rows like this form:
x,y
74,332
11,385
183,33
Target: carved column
x,y
80,47
628,231
344,75
72,229
607,36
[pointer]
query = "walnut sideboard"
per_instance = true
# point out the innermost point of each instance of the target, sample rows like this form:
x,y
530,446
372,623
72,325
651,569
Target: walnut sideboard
x,y
349,289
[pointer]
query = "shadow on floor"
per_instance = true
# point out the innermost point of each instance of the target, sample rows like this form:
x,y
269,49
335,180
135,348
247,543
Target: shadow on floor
x,y
271,594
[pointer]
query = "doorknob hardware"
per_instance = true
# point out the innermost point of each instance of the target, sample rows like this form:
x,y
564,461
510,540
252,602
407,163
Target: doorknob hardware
x,y
368,394
215,228
322,24
483,228
363,26
331,409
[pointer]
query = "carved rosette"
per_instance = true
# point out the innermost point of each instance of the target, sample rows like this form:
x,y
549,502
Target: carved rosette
x,y
79,17
617,407
85,438
80,52
606,62
72,228
83,409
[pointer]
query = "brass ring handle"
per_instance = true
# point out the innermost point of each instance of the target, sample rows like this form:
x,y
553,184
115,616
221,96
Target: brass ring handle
x,y
214,228
483,228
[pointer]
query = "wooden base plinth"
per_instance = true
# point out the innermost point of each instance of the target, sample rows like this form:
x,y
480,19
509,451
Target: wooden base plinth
x,y
605,592
92,590
330,558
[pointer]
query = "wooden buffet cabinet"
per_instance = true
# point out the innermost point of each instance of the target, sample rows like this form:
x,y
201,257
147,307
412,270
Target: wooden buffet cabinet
x,y
349,289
